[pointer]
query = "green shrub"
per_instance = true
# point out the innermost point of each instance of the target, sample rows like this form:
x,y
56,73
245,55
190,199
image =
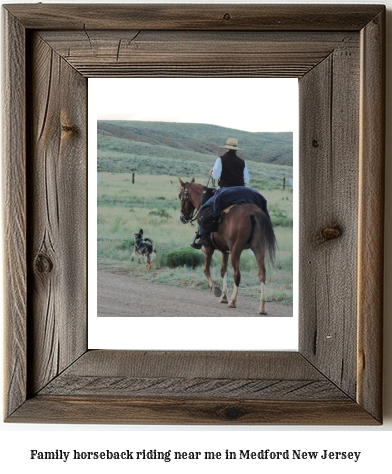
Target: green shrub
x,y
279,217
160,260
184,257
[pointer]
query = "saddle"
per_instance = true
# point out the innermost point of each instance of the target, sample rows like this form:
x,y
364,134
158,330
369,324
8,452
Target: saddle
x,y
208,221
225,199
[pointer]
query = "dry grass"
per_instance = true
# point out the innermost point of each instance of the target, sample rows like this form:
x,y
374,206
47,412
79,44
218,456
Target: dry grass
x,y
152,204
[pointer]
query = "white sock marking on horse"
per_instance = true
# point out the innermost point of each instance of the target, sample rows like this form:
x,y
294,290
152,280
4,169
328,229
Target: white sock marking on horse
x,y
262,299
233,298
224,284
224,289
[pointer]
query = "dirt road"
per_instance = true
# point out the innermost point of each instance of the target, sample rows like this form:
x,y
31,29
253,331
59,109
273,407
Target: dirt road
x,y
123,296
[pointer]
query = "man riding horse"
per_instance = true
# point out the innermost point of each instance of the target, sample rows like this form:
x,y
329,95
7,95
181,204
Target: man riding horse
x,y
236,228
230,170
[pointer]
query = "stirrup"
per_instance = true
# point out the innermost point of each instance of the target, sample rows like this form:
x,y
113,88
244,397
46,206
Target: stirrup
x,y
195,245
204,240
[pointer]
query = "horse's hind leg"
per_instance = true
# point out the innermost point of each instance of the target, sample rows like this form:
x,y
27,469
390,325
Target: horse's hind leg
x,y
235,263
260,257
225,258
262,300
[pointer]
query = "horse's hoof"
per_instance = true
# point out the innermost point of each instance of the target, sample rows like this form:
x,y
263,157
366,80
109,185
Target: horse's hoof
x,y
223,300
231,305
217,291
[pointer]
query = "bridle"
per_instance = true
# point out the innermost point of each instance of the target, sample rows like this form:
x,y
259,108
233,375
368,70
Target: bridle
x,y
184,198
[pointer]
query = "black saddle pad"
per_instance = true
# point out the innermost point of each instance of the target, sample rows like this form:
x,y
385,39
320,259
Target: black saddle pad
x,y
224,197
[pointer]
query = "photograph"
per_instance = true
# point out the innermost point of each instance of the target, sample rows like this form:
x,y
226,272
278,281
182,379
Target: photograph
x,y
195,196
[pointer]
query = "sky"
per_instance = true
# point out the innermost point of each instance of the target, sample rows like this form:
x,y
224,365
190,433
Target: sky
x,y
248,104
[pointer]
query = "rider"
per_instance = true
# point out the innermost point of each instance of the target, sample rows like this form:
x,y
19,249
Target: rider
x,y
230,170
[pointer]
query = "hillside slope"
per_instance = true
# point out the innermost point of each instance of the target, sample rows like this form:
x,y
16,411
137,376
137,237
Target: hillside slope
x,y
194,141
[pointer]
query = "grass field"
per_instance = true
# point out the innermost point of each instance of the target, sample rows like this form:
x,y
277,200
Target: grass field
x,y
186,142
151,203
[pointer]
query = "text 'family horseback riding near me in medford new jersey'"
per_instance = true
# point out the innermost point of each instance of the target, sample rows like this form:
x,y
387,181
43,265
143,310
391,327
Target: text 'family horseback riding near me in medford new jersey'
x,y
172,455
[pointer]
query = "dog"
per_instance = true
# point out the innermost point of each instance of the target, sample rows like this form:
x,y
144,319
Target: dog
x,y
143,247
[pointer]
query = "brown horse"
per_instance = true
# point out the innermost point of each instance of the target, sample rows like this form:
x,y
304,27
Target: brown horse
x,y
244,226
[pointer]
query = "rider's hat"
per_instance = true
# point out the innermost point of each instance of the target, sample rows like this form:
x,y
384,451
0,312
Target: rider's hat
x,y
231,144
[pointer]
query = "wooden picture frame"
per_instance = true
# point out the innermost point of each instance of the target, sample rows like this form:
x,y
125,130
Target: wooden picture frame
x,y
338,54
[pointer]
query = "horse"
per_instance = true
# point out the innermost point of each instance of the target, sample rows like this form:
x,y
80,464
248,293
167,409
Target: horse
x,y
244,226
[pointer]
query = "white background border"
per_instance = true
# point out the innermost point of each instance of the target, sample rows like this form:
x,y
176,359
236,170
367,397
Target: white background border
x,y
203,333
17,439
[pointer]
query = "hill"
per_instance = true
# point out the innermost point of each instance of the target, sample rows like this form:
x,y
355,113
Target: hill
x,y
194,141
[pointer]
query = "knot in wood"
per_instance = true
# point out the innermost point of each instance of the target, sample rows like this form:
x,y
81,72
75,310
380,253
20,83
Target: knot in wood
x,y
232,413
43,264
315,143
328,233
227,16
68,128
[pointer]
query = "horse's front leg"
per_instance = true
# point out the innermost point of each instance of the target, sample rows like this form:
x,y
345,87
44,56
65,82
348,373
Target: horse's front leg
x,y
225,258
208,252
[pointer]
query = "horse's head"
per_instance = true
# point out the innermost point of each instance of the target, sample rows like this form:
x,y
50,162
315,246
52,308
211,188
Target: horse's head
x,y
188,205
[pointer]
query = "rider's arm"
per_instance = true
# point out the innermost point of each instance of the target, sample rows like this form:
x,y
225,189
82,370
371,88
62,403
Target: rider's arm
x,y
217,169
246,174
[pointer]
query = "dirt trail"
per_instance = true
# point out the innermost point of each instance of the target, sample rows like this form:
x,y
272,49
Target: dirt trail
x,y
120,295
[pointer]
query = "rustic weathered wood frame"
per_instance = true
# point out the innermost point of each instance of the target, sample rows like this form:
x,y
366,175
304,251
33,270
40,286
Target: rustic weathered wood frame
x,y
337,52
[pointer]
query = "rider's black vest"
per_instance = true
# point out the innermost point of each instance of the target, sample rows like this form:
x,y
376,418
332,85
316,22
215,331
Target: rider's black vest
x,y
232,170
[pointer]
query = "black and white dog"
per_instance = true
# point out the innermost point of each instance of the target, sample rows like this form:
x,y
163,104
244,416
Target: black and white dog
x,y
144,247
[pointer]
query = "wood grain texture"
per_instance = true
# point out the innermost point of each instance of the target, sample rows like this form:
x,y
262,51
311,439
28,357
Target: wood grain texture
x,y
208,375
194,53
329,98
371,216
209,364
201,387
14,211
335,378
58,214
193,17
155,411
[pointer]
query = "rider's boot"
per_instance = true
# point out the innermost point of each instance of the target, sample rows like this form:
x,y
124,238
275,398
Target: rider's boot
x,y
194,244
203,241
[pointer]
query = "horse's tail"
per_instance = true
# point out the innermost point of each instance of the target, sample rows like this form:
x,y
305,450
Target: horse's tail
x,y
267,233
